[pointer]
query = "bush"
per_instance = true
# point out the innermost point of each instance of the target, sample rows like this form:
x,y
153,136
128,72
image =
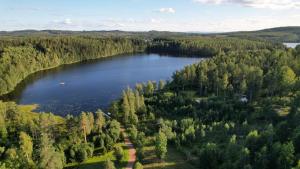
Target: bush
x,y
81,155
119,153
138,165
109,164
140,153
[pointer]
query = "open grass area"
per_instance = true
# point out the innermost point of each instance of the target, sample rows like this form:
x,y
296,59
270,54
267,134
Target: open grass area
x,y
97,162
29,111
174,159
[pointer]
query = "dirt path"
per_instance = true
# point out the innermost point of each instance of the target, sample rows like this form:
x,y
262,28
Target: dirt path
x,y
131,151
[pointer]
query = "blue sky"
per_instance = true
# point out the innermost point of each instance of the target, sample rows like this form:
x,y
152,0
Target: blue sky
x,y
144,15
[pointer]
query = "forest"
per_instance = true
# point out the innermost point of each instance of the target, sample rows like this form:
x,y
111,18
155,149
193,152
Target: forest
x,y
279,34
236,110
239,109
21,56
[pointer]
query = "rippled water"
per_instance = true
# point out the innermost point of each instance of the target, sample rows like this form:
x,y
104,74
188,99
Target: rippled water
x,y
94,84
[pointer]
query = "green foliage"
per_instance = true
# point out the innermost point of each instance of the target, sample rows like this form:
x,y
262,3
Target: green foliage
x,y
239,109
298,165
236,110
49,157
161,145
204,46
138,165
114,130
133,133
283,155
280,34
109,165
26,146
119,153
132,103
99,121
21,56
209,157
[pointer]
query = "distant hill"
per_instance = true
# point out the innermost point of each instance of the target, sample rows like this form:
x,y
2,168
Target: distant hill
x,y
279,34
111,33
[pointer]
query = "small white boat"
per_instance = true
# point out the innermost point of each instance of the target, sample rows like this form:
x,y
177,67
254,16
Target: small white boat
x,y
62,83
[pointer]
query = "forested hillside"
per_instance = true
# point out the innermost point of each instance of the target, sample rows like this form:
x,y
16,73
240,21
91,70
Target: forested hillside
x,y
21,56
280,34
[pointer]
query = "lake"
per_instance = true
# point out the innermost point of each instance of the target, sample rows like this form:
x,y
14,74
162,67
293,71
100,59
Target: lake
x,y
291,45
94,84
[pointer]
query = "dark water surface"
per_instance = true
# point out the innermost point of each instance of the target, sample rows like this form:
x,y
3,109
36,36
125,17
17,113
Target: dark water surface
x,y
94,84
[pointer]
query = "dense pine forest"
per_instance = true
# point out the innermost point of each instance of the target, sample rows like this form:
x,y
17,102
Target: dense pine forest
x,y
21,56
236,110
279,34
239,109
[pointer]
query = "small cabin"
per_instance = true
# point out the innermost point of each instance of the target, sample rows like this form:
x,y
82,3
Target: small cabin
x,y
244,99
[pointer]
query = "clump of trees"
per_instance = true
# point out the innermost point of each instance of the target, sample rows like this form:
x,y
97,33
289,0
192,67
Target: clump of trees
x,y
161,145
31,140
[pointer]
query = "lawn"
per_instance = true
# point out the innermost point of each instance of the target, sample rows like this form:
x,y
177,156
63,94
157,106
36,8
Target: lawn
x,y
97,162
174,159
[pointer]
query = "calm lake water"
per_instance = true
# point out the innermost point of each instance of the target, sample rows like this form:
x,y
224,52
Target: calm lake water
x,y
89,86
291,45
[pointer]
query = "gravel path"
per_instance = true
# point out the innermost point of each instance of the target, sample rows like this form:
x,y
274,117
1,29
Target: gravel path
x,y
131,151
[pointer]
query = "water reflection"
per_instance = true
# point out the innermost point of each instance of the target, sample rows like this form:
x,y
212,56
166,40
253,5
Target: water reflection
x,y
91,85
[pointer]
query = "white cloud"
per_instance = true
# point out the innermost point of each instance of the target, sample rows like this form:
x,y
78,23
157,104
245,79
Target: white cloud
x,y
271,4
153,20
67,21
167,10
162,24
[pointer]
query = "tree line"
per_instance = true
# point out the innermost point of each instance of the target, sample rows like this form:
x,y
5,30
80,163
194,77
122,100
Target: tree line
x,y
21,56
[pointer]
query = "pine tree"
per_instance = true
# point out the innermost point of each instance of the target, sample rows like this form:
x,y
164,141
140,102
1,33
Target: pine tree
x,y
149,88
26,146
161,85
99,121
109,164
91,121
48,157
126,107
161,145
84,125
138,165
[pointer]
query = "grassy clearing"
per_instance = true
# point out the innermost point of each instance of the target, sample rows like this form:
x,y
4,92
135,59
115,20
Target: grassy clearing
x,y
97,162
174,159
28,112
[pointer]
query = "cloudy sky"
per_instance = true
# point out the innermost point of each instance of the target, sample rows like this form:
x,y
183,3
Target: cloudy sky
x,y
144,15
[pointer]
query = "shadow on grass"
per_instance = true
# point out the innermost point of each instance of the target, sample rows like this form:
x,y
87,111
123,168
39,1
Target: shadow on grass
x,y
97,165
174,160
